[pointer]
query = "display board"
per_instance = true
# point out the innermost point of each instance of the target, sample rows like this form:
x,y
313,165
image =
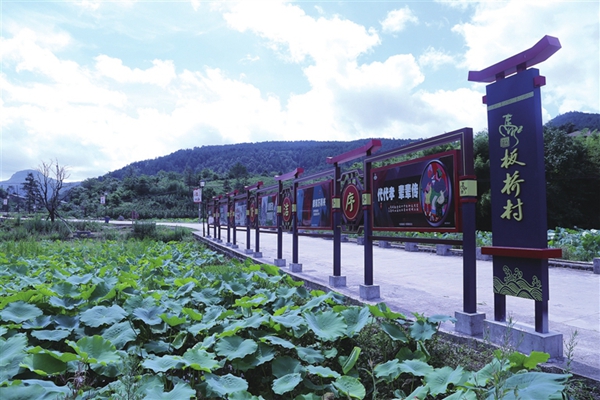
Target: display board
x,y
314,206
267,210
417,195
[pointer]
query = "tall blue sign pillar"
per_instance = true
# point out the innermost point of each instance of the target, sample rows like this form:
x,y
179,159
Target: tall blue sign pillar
x,y
518,189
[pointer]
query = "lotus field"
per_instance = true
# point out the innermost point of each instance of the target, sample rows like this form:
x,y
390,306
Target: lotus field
x,y
150,320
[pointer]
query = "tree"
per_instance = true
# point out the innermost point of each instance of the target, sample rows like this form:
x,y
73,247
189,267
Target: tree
x,y
50,181
32,192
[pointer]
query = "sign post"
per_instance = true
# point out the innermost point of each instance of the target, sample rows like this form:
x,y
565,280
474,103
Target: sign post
x,y
518,189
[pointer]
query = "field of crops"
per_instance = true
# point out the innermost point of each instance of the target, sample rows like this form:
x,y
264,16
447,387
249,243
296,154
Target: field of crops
x,y
153,320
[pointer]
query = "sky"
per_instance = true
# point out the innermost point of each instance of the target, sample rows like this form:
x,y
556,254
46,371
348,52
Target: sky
x,y
96,85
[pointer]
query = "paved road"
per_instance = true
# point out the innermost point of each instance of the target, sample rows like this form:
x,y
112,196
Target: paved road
x,y
430,284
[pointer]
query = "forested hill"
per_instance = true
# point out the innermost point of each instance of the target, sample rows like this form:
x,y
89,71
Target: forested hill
x,y
576,121
265,158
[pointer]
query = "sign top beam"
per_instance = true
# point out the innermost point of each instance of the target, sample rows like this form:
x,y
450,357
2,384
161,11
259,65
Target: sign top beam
x,y
540,52
289,175
373,146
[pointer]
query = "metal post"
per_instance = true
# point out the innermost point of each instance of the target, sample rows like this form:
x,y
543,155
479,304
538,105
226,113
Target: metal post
x,y
279,222
337,229
294,224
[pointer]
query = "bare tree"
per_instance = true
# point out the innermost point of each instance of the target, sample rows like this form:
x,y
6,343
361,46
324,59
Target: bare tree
x,y
50,180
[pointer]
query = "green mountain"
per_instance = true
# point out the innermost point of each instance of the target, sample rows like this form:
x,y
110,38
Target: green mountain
x,y
264,158
576,121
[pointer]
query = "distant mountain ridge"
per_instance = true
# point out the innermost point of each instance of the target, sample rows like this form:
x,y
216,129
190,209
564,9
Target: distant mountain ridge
x,y
264,158
576,121
259,158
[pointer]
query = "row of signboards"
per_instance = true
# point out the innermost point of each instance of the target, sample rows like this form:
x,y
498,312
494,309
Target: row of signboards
x,y
415,195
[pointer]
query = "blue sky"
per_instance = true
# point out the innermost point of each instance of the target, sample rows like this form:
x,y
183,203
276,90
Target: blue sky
x,y
99,84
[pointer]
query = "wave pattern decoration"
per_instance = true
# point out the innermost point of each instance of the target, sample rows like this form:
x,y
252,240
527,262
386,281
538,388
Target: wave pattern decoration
x,y
515,285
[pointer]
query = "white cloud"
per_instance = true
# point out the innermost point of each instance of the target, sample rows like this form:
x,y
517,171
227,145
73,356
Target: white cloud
x,y
397,20
435,58
161,73
499,30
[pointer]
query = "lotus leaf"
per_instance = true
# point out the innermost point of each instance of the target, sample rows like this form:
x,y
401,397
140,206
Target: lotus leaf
x,y
51,335
535,385
164,363
95,350
201,360
422,330
66,302
394,331
286,383
44,364
323,372
439,380
20,311
150,316
38,323
181,391
101,315
327,325
224,385
11,354
235,347
350,387
310,355
279,341
356,318
286,365
120,334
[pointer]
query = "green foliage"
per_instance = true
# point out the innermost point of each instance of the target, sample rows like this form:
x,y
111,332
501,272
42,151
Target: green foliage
x,y
577,244
151,320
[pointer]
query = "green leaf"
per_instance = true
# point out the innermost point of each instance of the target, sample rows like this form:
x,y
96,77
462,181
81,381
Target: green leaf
x,y
37,323
388,371
54,336
276,340
394,331
534,385
439,380
285,365
351,360
172,320
323,372
164,363
20,311
34,389
180,391
519,361
95,350
224,385
356,319
381,310
263,354
419,393
235,347
416,367
208,296
120,334
44,364
290,320
327,325
286,383
250,302
150,316
422,330
65,302
193,314
310,355
101,315
200,360
350,386
12,352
